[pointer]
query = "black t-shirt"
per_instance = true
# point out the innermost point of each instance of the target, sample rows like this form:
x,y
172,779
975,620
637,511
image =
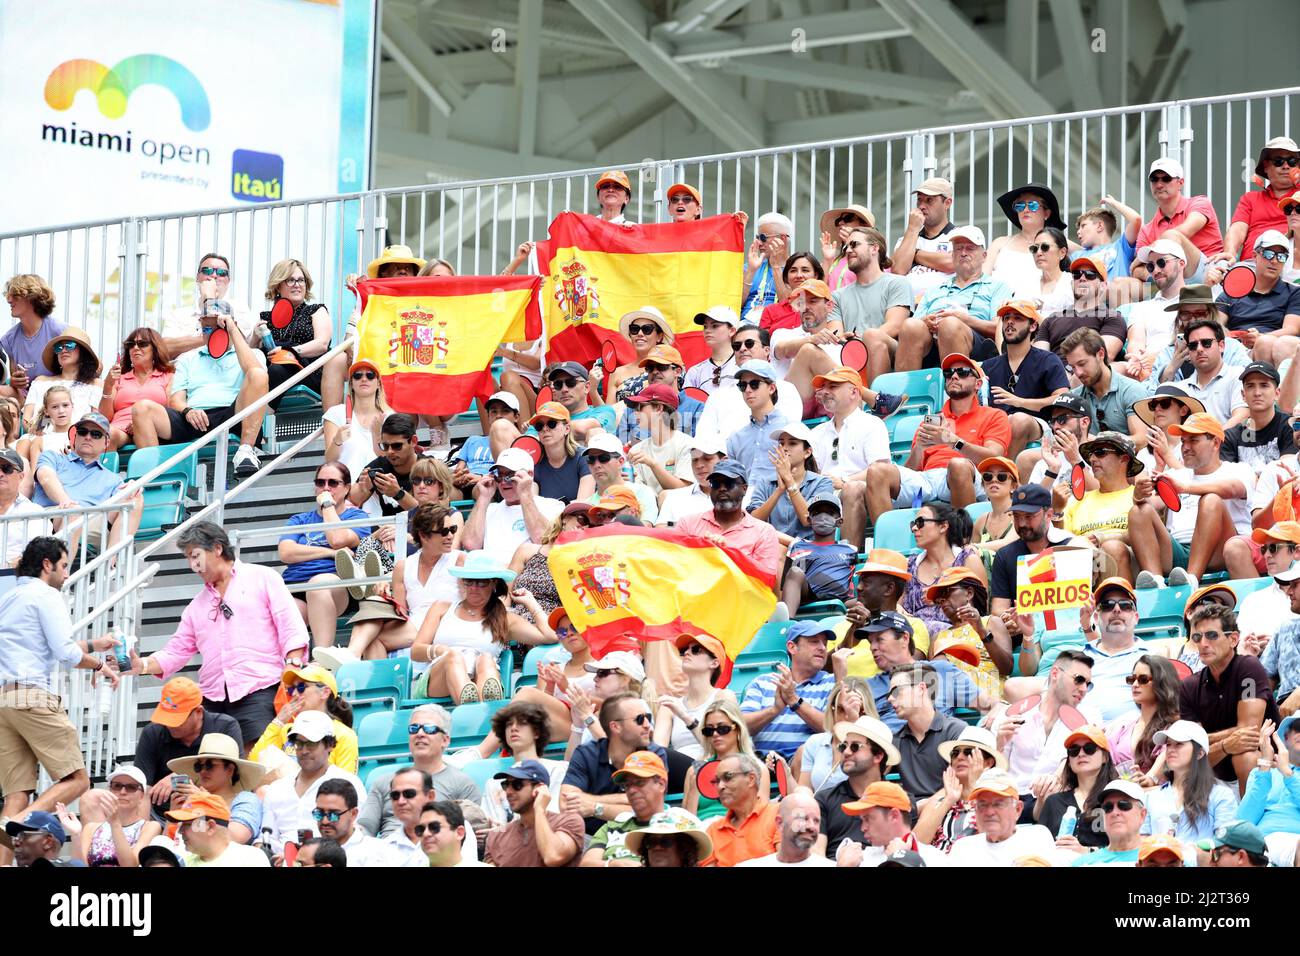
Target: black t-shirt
x,y
837,825
1268,444
156,745
382,464
1213,704
561,483
1040,374
1085,831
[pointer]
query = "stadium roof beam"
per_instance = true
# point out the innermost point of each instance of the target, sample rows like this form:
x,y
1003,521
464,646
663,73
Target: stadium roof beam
x,y
421,64
780,36
562,27
700,14
528,67
1074,42
803,71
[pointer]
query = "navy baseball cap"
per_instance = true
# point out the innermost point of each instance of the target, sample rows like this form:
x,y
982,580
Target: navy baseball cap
x,y
730,468
569,368
808,629
525,770
1028,499
38,821
1261,368
1064,402
886,621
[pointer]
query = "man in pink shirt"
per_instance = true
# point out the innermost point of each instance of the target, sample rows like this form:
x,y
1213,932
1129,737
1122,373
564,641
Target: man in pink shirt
x,y
730,524
245,624
1189,221
1257,210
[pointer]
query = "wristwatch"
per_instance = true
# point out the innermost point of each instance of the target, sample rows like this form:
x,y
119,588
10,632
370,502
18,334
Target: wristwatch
x,y
588,720
693,724
959,444
797,704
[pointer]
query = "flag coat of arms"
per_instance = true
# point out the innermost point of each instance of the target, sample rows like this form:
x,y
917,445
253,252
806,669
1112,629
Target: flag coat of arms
x,y
433,337
596,272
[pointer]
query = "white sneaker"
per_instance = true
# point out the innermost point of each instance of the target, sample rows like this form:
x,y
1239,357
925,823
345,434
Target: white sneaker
x,y
346,568
1146,579
780,612
1178,577
333,658
246,461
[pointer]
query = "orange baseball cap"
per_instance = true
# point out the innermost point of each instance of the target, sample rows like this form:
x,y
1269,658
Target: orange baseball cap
x,y
1159,843
180,696
1199,423
882,793
1089,732
1095,265
362,363
956,358
201,805
1292,199
1115,583
616,497
954,575
662,355
676,188
1200,593
957,649
556,615
1288,531
1006,463
550,410
715,647
642,763
840,373
1022,307
814,287
884,561
615,176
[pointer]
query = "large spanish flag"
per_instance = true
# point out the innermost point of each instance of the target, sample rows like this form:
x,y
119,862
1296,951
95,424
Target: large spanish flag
x,y
433,337
596,272
621,583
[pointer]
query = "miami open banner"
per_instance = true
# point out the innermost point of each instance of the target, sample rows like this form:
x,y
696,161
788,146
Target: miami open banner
x,y
154,106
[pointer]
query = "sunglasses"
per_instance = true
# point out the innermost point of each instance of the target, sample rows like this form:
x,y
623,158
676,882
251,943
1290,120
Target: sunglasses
x,y
329,482
640,719
694,649
1163,404
125,787
999,476
430,482
203,766
1060,421
65,347
1269,254
515,785
1075,749
605,672
330,816
1280,161
429,729
8,469
444,531
1209,636
224,608
720,729
1161,262
1290,209
1195,345
299,687
363,374
851,747
1273,547
739,344
600,457
921,522
1110,806
564,383
962,371
1036,247
681,198
750,384
1140,679
655,367
211,271
1120,605
723,484
549,424
502,477
636,329
1160,178
435,828
94,433
1086,274
392,445
835,449
564,631
1081,681
1033,205
965,752
136,344
409,794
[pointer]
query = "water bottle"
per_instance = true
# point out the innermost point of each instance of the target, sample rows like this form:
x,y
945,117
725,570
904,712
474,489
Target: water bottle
x,y
104,697
268,343
122,651
1067,823
628,474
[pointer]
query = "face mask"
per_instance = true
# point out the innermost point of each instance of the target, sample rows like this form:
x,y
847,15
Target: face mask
x,y
822,525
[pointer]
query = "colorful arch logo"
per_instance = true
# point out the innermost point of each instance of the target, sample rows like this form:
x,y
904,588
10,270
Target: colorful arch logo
x,y
113,87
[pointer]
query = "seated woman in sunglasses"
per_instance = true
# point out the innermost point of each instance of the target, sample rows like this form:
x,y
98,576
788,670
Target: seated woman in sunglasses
x,y
354,440
1156,687
644,329
994,528
562,473
114,822
943,534
562,668
816,764
144,371
312,687
219,770
309,556
678,719
949,815
724,733
1089,767
76,367
963,597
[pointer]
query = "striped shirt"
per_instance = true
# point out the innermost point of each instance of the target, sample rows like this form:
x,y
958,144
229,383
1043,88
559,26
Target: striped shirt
x,y
787,732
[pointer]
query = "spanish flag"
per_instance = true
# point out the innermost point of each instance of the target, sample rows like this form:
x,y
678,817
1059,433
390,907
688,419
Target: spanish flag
x,y
596,272
433,337
620,584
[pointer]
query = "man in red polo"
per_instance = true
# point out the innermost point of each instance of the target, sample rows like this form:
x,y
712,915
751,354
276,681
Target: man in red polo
x,y
946,449
1190,221
1257,210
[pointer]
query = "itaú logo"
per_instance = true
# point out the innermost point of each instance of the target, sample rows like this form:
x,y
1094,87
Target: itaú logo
x,y
114,85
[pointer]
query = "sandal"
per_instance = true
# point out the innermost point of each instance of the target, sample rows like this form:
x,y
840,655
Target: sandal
x,y
492,689
469,693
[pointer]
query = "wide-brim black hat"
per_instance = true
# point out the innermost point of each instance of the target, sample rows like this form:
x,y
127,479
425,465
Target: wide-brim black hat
x,y
1043,193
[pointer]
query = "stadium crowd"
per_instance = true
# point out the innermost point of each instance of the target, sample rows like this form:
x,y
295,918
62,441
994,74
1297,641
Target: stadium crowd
x,y
1100,392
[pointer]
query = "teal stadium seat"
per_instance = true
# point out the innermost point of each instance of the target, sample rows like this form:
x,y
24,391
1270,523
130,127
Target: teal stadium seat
x,y
924,389
374,686
901,435
470,723
481,771
894,531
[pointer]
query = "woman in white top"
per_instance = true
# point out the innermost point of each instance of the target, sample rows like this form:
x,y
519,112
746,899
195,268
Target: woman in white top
x,y
78,368
462,638
354,441
1029,208
1053,289
705,665
564,667
816,764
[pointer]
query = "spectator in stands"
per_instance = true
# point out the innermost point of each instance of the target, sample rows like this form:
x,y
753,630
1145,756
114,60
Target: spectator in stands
x,y
913,691
35,639
1080,788
81,479
499,527
798,269
462,639
706,668
218,770
386,479
1215,506
892,642
535,837
1195,302
661,461
820,567
613,193
925,253
705,452
144,371
883,580
324,853
1156,688
957,313
1011,259
1257,210
562,472
244,613
798,820
867,753
520,730
1089,311
114,821
205,827
55,436
1230,697
994,528
663,366
1031,513
1216,385
181,328
941,465
14,535
336,818
308,688
37,837
350,433
305,338
1052,290
175,728
1150,324
748,829
647,329
982,651
764,262
1281,658
727,411
76,368
1190,804
729,524
999,841
876,305
801,354
288,802
31,302
431,483
848,444
1263,613
1108,396
1097,229
503,426
836,226
816,764
1025,389
1239,844
949,815
1123,810
1189,222
942,533
685,204
644,779
724,733
783,501
1267,318
571,385
1266,434
885,812
719,369
206,392
443,834
785,707
1101,515
1269,802
1160,851
411,790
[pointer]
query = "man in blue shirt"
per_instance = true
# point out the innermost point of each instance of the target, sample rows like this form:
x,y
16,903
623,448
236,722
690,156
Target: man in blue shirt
x,y
1023,380
961,313
784,708
663,365
890,637
752,445
1269,314
80,478
571,385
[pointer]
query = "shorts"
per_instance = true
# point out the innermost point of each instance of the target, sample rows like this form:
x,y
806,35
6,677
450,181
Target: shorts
x,y
1282,848
183,433
1256,553
1181,554
982,348
813,409
35,729
932,485
277,375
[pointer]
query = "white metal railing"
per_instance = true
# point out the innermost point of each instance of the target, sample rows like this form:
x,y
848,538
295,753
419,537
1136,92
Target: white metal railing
x,y
114,275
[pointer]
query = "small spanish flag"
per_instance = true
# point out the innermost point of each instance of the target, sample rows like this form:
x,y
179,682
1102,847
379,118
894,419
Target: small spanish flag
x,y
621,581
596,272
433,337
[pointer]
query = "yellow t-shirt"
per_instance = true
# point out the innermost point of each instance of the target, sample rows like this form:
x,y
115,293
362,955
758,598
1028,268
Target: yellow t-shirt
x,y
861,663
1099,511
986,677
344,755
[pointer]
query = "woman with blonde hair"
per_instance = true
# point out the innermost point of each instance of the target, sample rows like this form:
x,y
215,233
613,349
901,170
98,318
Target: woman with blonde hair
x,y
431,483
706,669
563,473
724,733
354,440
305,338
816,764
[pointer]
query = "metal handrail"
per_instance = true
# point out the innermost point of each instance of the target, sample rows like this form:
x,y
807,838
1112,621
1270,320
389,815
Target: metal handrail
x,y
113,600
